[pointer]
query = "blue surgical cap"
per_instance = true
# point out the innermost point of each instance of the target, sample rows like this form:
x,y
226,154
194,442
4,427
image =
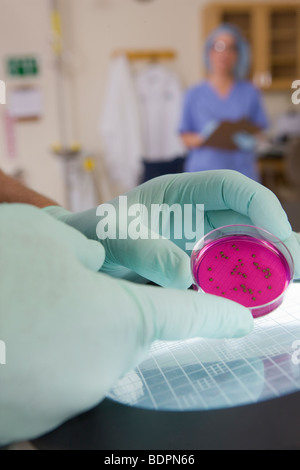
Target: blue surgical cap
x,y
243,49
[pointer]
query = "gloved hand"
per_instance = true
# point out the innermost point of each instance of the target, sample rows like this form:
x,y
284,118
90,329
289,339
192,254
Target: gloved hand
x,y
244,141
228,197
71,332
209,128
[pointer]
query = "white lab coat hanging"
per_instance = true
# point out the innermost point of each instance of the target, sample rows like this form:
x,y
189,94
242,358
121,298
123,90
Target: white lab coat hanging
x,y
160,100
120,126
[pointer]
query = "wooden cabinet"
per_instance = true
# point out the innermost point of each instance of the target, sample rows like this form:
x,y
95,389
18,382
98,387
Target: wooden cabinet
x,y
273,31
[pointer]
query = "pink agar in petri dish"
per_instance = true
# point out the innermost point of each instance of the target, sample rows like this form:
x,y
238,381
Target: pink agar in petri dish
x,y
247,268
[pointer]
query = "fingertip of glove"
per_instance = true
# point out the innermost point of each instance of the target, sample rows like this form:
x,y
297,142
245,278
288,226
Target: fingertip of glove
x,y
268,213
231,320
245,325
292,244
241,321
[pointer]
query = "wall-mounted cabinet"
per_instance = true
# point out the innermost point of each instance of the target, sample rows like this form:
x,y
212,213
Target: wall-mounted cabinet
x,y
273,31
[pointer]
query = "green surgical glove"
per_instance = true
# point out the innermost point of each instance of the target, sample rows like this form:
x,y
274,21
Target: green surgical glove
x,y
228,197
71,332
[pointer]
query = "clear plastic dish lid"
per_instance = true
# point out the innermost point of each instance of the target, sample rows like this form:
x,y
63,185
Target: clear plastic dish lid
x,y
245,264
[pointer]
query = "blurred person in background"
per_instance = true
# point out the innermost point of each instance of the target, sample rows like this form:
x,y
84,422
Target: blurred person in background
x,y
224,96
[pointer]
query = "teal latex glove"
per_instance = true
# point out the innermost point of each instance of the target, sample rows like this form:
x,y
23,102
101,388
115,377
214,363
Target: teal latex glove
x,y
209,128
71,332
244,141
229,198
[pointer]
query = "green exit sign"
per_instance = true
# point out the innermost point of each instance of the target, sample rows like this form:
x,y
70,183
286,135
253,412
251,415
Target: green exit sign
x,y
22,66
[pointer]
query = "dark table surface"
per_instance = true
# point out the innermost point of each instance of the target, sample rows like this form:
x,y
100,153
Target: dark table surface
x,y
273,424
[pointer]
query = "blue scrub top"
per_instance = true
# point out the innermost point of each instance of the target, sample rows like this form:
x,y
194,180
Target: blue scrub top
x,y
203,104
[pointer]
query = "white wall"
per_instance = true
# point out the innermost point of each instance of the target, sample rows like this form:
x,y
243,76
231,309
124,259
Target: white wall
x,y
24,29
92,30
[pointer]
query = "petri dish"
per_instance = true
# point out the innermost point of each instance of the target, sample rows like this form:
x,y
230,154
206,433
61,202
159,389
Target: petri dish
x,y
243,263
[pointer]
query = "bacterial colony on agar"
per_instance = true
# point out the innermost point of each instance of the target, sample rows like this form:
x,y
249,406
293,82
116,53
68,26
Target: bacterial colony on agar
x,y
245,269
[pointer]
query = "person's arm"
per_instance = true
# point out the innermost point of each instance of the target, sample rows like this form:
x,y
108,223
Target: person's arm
x,y
12,191
191,134
192,140
187,131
